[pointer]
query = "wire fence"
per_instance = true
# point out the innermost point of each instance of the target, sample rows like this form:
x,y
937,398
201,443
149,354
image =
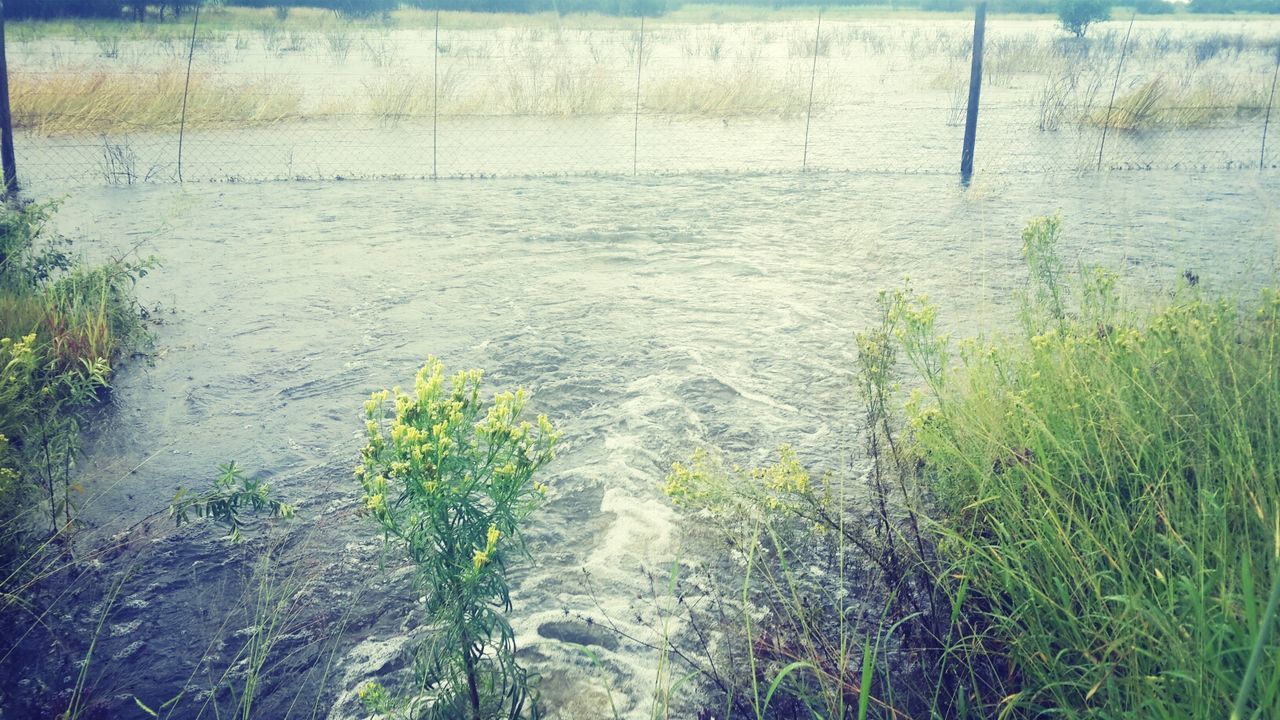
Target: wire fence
x,y
446,98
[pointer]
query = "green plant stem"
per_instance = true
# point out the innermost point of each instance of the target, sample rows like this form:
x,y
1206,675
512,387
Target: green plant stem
x,y
1259,649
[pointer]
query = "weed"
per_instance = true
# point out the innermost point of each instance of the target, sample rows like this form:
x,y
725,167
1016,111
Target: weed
x,y
231,496
450,481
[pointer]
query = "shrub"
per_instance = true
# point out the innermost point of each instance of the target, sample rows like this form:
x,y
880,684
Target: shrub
x,y
1075,16
28,256
450,481
61,326
1153,7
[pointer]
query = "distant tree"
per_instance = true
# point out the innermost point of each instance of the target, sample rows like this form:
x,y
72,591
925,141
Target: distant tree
x,y
45,9
1153,7
1234,6
352,9
1076,16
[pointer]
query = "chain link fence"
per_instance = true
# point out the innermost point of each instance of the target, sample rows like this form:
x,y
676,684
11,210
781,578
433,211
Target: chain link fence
x,y
459,95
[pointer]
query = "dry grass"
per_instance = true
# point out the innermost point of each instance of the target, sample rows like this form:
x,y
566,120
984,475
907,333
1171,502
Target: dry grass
x,y
535,87
546,85
737,91
71,102
67,103
564,88
1205,102
400,95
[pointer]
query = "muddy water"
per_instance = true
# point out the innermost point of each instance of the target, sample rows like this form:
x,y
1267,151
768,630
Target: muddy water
x,y
647,318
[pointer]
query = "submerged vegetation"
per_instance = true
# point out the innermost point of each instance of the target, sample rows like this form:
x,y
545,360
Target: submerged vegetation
x,y
1078,519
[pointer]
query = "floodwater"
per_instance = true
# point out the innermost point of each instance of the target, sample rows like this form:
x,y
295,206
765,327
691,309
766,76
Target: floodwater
x,y
647,317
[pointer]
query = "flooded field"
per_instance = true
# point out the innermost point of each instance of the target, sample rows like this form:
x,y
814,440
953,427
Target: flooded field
x,y
647,317
602,96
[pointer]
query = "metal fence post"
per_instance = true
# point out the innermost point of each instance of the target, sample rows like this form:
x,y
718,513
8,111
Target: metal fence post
x,y
975,92
635,130
813,74
435,94
186,88
1266,121
1124,50
6,121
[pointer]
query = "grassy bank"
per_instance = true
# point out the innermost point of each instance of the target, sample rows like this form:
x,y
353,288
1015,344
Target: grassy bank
x,y
1107,489
1078,519
63,326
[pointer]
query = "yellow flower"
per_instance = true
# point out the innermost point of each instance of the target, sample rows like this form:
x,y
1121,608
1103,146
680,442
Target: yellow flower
x,y
359,470
544,426
480,559
493,536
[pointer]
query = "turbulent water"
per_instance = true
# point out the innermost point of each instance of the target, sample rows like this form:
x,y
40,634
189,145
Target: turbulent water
x,y
646,317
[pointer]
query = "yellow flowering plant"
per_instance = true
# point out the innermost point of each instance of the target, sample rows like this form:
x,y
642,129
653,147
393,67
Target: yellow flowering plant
x,y
449,479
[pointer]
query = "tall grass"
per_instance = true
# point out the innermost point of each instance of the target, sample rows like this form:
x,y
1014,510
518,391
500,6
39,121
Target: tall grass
x,y
1081,518
530,84
1204,102
742,89
1108,491
93,102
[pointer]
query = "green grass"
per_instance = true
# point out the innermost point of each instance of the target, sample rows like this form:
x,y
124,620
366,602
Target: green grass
x,y
1108,497
1077,519
1110,491
61,327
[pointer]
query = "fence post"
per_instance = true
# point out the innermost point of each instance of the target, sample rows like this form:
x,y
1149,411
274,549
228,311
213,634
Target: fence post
x,y
6,121
813,74
635,130
1266,121
975,91
186,88
1124,50
435,93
